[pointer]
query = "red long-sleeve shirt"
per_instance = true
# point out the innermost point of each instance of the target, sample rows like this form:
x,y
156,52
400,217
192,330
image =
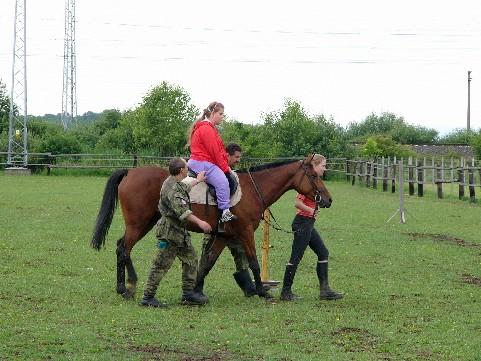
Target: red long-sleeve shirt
x,y
308,202
206,145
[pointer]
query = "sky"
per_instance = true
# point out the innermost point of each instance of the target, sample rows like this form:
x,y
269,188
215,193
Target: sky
x,y
343,59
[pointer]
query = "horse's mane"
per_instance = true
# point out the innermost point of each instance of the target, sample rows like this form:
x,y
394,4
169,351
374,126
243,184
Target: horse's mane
x,y
258,168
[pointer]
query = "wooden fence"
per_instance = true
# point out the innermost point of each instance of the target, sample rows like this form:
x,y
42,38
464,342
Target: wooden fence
x,y
48,161
417,173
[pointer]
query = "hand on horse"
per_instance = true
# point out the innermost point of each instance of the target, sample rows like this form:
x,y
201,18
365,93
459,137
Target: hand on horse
x,y
205,226
201,176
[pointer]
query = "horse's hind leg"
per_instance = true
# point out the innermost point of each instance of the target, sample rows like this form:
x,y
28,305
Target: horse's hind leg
x,y
121,263
132,236
131,278
125,262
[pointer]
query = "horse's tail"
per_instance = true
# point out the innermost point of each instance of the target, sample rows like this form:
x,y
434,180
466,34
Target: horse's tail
x,y
107,209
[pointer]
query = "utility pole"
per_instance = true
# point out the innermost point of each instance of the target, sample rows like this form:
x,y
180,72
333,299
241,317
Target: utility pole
x,y
17,120
469,102
69,91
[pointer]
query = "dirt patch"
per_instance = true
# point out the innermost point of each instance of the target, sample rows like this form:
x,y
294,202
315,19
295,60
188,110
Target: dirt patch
x,y
162,353
443,238
471,280
352,339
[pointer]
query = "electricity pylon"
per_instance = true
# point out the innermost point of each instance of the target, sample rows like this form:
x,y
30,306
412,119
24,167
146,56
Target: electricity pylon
x,y
17,120
69,92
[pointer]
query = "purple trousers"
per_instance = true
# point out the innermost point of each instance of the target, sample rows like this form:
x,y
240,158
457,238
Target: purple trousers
x,y
216,177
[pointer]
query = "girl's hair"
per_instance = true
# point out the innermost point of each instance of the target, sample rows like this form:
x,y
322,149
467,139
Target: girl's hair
x,y
212,108
317,159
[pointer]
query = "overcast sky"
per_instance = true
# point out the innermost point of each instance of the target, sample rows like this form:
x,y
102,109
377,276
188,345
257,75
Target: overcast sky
x,y
344,59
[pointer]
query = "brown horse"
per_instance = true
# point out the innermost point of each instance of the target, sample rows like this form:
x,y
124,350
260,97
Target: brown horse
x,y
139,190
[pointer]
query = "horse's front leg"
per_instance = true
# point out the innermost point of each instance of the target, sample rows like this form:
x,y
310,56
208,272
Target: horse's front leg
x,y
212,247
250,248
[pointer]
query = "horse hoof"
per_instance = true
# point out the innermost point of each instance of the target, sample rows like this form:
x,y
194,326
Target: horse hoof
x,y
266,295
121,290
128,295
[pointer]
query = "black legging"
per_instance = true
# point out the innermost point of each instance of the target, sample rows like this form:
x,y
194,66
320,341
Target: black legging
x,y
306,235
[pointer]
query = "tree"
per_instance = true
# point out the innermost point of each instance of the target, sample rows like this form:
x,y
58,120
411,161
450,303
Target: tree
x,y
161,122
458,136
389,124
292,132
121,137
60,143
4,108
384,146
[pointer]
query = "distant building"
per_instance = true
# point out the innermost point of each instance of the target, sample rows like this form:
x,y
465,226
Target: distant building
x,y
460,150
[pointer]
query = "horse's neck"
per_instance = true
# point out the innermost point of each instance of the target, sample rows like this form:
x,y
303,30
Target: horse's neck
x,y
273,183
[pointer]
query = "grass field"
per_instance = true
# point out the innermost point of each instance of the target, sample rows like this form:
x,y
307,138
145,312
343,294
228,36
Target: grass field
x,y
412,291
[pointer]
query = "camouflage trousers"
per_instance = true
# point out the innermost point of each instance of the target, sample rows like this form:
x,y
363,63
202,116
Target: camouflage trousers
x,y
236,249
163,261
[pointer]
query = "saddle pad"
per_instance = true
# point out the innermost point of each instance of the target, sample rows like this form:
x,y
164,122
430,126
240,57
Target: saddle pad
x,y
197,193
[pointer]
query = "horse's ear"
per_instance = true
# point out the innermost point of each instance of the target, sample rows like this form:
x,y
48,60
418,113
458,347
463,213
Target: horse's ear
x,y
308,159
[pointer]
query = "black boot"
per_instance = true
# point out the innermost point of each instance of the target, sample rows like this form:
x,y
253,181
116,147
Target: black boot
x,y
244,281
193,298
326,293
199,288
151,301
286,293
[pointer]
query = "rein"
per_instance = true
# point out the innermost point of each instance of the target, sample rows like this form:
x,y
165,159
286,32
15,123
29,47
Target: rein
x,y
276,224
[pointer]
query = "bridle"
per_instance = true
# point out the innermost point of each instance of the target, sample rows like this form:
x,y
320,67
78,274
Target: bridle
x,y
312,179
317,197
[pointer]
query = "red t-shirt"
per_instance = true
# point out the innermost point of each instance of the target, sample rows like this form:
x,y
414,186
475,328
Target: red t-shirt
x,y
308,202
206,145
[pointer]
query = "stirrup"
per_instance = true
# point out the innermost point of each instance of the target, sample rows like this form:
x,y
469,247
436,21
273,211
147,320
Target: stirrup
x,y
227,217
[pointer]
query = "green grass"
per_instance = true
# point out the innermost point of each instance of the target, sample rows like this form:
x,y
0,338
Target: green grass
x,y
405,295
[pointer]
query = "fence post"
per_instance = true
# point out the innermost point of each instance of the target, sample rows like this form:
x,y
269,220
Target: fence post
x,y
420,178
452,173
359,174
354,168
348,170
472,196
393,176
368,173
135,161
411,176
439,180
433,171
49,162
374,174
384,176
461,178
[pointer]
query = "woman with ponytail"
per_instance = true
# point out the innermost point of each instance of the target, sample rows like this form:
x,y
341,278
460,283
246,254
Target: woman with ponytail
x,y
207,153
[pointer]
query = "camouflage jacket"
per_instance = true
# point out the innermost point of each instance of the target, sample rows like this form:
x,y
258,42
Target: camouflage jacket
x,y
174,206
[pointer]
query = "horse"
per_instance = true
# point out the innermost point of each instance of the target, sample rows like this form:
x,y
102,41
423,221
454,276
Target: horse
x,y
138,191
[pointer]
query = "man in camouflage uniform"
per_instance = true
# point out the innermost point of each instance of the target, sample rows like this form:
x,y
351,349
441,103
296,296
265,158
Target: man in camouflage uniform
x,y
242,275
174,239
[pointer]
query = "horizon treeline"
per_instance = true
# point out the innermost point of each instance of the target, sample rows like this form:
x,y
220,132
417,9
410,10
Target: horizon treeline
x,y
158,126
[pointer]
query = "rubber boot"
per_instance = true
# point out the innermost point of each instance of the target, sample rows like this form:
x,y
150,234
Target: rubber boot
x,y
245,283
289,274
151,301
199,289
193,298
326,293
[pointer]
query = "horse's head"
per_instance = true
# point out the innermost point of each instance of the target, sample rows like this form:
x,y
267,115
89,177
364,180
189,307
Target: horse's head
x,y
309,183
